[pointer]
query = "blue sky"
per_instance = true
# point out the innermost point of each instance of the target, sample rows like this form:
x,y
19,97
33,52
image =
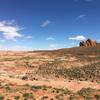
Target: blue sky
x,y
47,24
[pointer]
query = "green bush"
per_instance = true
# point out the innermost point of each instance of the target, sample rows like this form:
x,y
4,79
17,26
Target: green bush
x,y
1,97
35,88
28,95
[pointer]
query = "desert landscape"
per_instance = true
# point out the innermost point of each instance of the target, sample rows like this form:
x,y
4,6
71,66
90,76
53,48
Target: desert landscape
x,y
49,49
64,74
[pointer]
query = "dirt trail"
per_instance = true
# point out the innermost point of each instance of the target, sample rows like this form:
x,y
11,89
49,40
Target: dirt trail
x,y
73,85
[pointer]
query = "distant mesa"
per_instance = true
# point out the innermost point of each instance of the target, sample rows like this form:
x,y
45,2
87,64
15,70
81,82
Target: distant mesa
x,y
88,43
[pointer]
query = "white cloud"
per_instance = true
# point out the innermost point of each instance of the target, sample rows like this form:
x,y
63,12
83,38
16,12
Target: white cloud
x,y
45,23
53,46
82,16
9,31
50,38
29,37
78,38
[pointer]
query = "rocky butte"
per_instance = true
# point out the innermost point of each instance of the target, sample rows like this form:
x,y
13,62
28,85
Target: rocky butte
x,y
88,43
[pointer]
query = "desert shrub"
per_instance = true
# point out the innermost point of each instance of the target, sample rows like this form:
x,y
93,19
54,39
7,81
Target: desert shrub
x,y
1,97
44,98
53,90
88,72
74,97
17,97
26,85
51,99
0,84
35,88
25,98
28,64
86,92
7,87
44,87
62,91
65,91
28,95
24,78
59,97
97,96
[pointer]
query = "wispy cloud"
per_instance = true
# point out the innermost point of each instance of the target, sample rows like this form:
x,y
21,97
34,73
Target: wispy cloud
x,y
50,38
53,46
82,16
9,31
78,38
45,23
29,37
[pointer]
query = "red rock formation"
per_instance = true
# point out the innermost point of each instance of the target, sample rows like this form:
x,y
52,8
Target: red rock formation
x,y
88,43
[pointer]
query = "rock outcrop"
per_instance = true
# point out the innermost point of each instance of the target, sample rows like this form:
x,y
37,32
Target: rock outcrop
x,y
88,43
